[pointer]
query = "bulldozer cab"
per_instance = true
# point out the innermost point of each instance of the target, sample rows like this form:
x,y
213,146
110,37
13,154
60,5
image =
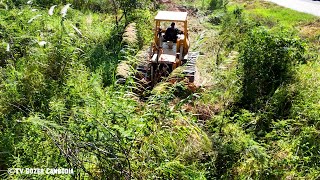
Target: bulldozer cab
x,y
165,54
165,51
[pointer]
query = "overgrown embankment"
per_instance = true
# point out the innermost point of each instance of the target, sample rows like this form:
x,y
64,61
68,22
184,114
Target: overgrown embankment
x,y
60,105
264,116
257,115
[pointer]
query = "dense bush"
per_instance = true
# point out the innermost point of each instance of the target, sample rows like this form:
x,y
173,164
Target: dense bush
x,y
60,106
93,5
275,111
267,61
217,4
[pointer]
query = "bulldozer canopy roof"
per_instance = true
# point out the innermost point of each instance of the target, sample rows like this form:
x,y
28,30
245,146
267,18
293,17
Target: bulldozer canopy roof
x,y
171,16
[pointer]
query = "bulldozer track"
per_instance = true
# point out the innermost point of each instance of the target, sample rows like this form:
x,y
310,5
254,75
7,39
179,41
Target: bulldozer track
x,y
190,64
189,71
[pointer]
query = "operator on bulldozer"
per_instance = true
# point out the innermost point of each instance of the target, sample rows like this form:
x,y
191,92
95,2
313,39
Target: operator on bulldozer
x,y
169,50
171,33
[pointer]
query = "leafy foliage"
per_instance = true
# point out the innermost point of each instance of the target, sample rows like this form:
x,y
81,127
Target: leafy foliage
x,y
267,61
60,105
275,109
217,4
58,94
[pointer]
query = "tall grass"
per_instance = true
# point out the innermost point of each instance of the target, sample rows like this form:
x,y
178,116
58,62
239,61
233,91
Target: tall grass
x,y
278,140
59,99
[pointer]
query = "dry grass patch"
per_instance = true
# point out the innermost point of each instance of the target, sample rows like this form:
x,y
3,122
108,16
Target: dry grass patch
x,y
312,31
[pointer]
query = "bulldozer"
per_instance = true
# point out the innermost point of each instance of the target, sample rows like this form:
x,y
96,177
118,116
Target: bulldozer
x,y
166,54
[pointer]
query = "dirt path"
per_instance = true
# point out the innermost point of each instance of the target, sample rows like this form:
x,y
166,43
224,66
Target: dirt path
x,y
306,6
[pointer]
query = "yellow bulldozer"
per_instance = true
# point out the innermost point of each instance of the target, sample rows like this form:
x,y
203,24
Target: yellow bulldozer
x,y
170,49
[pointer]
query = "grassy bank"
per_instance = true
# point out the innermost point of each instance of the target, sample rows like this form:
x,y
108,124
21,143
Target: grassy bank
x,y
60,105
272,135
256,115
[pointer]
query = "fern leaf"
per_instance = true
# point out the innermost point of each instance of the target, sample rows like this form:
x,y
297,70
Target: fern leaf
x,y
51,10
77,30
64,10
8,47
35,17
42,43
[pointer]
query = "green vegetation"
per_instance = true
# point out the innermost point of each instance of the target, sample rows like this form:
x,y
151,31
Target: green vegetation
x,y
267,61
60,106
279,15
259,128
255,117
286,17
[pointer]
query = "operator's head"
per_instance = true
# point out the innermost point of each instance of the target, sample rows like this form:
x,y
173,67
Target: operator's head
x,y
172,24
